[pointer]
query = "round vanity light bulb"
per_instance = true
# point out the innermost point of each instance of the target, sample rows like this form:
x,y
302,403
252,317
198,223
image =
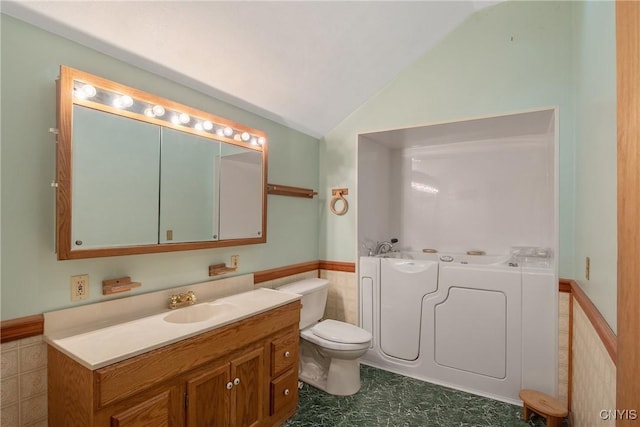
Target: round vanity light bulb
x,y
126,101
149,112
158,110
87,91
207,125
220,132
245,136
254,141
198,126
184,118
228,131
175,120
261,140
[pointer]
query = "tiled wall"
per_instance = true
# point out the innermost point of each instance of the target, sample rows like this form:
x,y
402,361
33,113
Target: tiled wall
x,y
563,347
342,303
594,374
23,385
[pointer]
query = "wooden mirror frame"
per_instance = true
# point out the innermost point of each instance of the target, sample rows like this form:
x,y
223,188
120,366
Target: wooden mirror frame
x,y
66,101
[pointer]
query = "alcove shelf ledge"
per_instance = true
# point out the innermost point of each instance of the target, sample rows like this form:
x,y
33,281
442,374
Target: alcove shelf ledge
x,y
287,190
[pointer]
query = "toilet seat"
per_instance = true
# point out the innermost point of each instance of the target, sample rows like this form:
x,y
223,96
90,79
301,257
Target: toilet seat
x,y
341,332
357,338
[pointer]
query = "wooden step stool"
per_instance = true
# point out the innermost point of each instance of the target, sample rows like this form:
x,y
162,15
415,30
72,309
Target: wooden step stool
x,y
544,405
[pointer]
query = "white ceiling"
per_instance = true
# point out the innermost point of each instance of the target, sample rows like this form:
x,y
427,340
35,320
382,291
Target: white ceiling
x,y
304,64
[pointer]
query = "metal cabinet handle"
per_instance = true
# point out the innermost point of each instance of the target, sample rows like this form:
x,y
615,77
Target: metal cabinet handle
x,y
286,392
287,354
229,385
236,381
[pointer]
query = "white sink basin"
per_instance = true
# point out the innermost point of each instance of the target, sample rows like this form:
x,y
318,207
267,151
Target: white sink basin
x,y
199,313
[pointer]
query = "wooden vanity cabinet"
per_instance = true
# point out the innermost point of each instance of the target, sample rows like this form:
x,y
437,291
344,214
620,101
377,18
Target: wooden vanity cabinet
x,y
243,374
230,394
157,408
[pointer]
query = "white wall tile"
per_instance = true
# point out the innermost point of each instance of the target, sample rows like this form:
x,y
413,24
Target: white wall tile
x,y
594,374
24,383
33,409
342,299
9,391
9,416
9,362
33,383
33,356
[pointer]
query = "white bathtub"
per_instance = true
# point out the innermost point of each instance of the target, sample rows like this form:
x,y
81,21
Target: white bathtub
x,y
483,324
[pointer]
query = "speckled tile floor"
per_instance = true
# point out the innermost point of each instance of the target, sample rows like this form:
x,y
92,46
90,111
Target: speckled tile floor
x,y
391,400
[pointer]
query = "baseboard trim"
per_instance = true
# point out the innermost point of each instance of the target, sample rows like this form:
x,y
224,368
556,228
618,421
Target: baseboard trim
x,y
564,285
349,267
284,271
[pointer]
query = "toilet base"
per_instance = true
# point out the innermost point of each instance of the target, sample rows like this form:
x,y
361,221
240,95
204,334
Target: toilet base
x,y
342,378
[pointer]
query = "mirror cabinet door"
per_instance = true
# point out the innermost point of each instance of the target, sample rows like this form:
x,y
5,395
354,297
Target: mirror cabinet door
x,y
241,189
115,171
188,187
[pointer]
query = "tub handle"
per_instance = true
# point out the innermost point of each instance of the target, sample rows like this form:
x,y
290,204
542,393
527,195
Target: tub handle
x,y
476,253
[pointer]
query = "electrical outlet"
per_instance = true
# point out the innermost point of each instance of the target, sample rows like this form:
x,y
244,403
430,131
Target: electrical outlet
x,y
235,260
587,268
79,287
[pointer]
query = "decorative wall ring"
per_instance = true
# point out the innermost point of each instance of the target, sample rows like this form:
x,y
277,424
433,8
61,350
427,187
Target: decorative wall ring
x,y
338,195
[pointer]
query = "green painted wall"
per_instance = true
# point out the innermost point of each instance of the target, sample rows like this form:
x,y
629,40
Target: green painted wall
x,y
594,53
33,281
511,57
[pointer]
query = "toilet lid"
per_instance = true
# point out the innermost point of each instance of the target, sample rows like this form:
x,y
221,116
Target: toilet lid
x,y
333,330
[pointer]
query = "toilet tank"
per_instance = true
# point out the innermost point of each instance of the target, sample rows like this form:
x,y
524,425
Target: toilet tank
x,y
314,298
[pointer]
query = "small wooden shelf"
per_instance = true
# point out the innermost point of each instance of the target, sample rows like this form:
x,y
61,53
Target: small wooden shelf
x,y
121,284
220,269
286,190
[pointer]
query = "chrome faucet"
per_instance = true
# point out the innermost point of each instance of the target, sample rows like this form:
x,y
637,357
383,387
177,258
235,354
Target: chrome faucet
x,y
179,300
385,247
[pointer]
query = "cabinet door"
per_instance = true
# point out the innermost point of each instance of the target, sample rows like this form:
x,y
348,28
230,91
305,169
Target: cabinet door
x,y
209,398
159,410
247,404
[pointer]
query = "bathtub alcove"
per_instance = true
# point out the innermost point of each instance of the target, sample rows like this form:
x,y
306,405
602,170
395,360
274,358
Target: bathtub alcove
x,y
484,323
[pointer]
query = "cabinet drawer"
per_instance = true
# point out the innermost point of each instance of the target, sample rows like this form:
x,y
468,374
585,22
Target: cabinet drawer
x,y
284,353
284,391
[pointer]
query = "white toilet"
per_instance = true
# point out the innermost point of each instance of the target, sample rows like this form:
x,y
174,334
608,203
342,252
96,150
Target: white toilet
x,y
329,349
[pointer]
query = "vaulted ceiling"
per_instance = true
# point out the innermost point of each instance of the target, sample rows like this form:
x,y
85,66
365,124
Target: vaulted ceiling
x,y
304,64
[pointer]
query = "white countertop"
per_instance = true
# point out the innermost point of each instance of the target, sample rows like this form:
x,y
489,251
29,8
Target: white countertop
x,y
101,347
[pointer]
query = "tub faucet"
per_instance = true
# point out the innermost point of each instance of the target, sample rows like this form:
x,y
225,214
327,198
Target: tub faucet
x,y
385,247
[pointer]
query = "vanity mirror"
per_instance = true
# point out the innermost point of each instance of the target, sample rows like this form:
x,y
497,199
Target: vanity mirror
x,y
137,173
